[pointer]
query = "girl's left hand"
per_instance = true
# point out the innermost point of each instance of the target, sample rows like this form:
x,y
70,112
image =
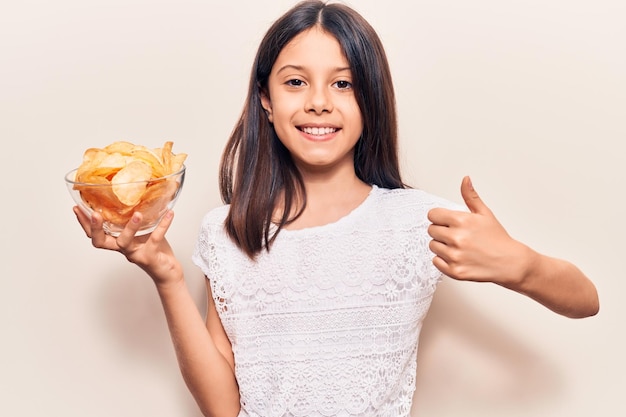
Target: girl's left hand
x,y
474,246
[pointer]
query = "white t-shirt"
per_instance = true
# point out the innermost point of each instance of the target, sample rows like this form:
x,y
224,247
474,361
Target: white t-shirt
x,y
327,322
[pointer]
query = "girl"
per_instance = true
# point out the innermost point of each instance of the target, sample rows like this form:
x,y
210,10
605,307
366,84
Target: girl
x,y
322,265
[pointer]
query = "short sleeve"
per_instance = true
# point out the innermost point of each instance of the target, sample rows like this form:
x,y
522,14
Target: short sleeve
x,y
211,229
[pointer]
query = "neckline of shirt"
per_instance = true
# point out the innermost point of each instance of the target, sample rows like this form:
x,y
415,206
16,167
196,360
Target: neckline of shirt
x,y
352,214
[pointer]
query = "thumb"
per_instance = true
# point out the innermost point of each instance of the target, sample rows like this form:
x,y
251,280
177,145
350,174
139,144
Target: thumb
x,y
471,197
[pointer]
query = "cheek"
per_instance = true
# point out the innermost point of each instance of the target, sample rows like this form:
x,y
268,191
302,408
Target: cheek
x,y
280,114
357,120
352,109
282,127
282,118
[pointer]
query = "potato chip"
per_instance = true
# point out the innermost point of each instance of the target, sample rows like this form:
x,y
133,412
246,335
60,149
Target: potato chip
x,y
123,147
166,155
154,202
91,159
129,183
178,161
110,165
152,159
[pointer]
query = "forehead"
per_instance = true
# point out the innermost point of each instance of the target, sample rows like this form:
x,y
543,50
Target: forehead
x,y
312,48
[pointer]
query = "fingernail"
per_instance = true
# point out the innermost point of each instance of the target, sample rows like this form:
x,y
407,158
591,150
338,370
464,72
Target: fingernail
x,y
93,220
135,218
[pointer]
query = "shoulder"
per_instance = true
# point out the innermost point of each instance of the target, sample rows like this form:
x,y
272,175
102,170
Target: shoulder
x,y
215,217
405,208
412,199
212,225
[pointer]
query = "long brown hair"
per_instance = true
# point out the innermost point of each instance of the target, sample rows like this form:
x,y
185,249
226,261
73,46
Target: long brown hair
x,y
256,168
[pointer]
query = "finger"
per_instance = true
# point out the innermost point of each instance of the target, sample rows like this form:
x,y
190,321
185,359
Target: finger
x,y
441,216
83,220
159,232
448,218
98,236
128,234
439,233
441,265
441,250
471,197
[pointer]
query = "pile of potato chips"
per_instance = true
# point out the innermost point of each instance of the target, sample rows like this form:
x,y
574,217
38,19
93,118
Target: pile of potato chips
x,y
123,177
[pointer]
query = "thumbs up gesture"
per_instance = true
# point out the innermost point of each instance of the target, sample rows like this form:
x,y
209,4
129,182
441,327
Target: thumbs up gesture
x,y
473,245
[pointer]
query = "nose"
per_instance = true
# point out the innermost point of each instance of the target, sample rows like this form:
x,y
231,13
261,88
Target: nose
x,y
319,100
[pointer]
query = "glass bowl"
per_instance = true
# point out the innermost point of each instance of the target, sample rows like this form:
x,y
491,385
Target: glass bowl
x,y
159,196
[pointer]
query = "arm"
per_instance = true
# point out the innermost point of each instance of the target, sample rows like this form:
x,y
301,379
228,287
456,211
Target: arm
x,y
202,349
205,357
475,247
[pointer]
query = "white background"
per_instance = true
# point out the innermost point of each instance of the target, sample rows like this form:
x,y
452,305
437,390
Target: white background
x,y
527,97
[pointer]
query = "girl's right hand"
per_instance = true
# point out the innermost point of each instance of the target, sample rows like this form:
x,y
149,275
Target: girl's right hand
x,y
150,252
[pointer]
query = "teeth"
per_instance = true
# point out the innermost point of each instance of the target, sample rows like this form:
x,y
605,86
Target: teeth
x,y
318,130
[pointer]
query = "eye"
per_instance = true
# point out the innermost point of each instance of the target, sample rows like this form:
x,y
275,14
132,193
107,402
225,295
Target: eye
x,y
343,85
295,82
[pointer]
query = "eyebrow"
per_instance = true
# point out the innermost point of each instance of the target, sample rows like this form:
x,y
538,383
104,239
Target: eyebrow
x,y
301,68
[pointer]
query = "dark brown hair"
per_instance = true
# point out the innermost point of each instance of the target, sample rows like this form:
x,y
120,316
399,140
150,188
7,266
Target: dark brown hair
x,y
256,168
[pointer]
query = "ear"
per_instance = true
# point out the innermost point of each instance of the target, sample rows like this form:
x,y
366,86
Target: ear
x,y
266,103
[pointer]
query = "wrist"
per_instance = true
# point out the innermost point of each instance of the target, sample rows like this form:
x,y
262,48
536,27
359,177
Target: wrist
x,y
167,275
530,263
170,286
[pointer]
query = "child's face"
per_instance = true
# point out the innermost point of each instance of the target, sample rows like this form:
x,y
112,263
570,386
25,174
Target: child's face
x,y
311,102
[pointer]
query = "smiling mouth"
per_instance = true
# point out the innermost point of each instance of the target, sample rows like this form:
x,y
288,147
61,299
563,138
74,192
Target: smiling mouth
x,y
318,131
